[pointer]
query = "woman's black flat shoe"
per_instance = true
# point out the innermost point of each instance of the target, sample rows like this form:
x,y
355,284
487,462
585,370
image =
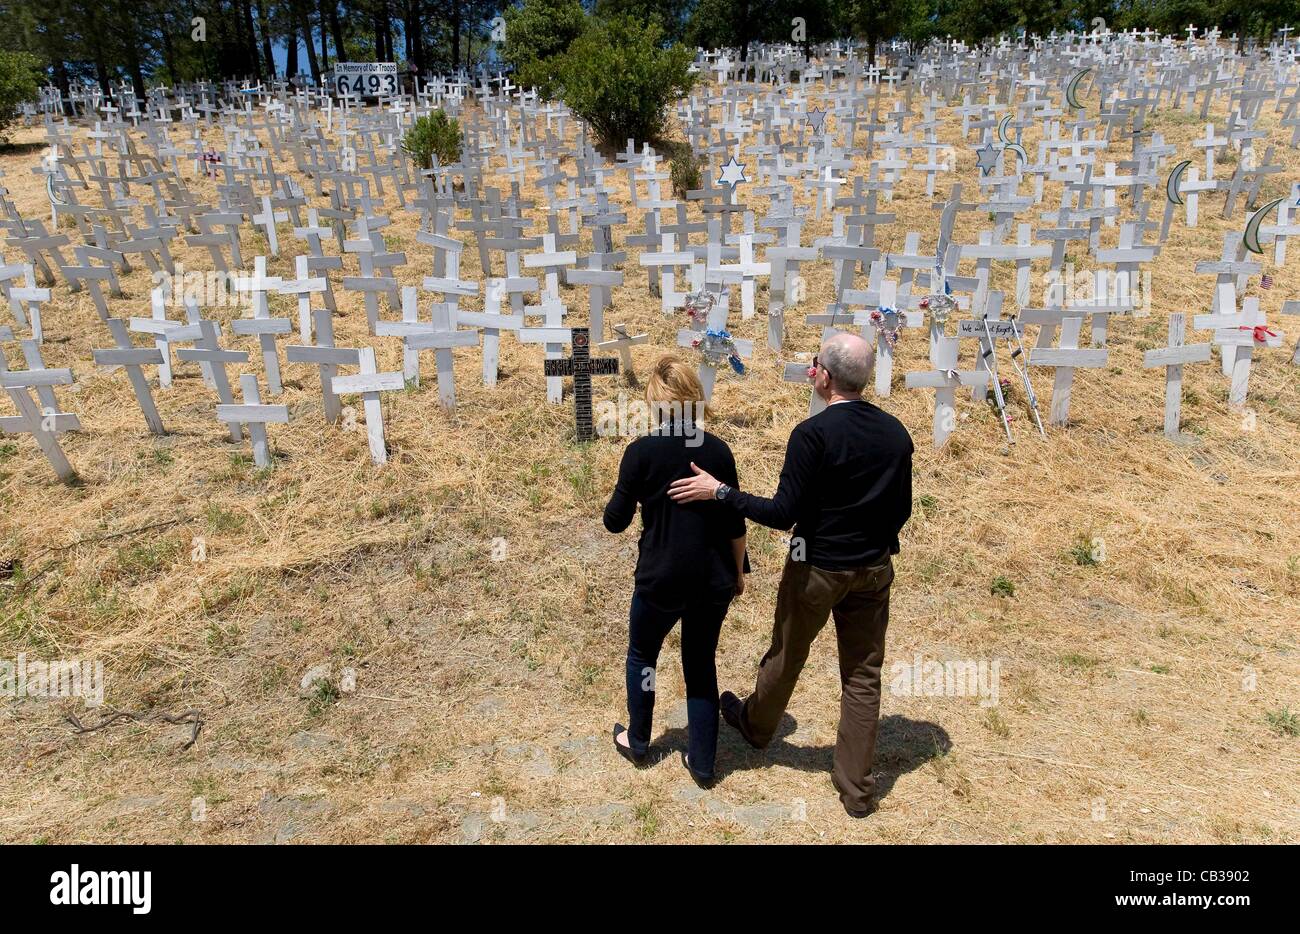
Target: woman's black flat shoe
x,y
626,751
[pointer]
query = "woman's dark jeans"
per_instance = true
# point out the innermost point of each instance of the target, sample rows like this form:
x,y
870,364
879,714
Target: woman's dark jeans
x,y
701,623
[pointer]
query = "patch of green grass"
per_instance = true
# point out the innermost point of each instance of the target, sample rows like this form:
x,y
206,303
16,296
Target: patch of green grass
x,y
1083,552
404,507
141,560
229,594
324,694
102,602
221,639
647,822
1140,717
1283,721
8,449
583,480
1079,661
994,723
21,625
1161,669
1002,587
223,520
928,504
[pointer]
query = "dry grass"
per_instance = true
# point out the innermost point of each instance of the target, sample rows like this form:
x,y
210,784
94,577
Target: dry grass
x,y
480,679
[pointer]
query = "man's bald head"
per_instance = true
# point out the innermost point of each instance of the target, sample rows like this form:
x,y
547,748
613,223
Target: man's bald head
x,y
848,360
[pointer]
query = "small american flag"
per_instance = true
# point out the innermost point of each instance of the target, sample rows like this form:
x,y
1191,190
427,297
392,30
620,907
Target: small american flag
x,y
1266,281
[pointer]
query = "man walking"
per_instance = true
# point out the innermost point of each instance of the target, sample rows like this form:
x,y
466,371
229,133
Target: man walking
x,y
846,488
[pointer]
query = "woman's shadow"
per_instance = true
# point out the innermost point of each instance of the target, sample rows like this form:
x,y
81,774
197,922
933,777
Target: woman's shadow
x,y
902,745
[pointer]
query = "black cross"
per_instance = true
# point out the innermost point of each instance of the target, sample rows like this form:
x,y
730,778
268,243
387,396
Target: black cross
x,y
582,367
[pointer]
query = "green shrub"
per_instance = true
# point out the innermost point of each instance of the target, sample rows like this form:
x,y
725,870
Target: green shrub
x,y
538,33
620,79
685,172
19,81
434,135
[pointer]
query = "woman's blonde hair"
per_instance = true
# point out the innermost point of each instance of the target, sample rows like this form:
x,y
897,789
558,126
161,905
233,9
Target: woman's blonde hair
x,y
673,387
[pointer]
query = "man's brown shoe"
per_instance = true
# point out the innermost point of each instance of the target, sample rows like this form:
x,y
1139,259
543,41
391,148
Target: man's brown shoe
x,y
733,709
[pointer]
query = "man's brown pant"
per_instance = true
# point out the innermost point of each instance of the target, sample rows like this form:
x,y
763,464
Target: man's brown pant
x,y
859,601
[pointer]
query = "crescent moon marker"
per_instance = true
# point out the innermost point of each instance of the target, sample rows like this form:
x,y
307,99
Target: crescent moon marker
x,y
1072,89
1002,129
1173,186
1251,237
1019,151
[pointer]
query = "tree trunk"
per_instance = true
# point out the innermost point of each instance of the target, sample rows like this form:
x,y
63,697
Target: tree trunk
x,y
291,51
264,27
169,53
386,24
312,63
743,30
335,30
250,40
419,36
408,32
61,82
455,35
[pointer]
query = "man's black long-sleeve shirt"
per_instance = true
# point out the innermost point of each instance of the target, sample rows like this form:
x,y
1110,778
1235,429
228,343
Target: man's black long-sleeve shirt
x,y
845,487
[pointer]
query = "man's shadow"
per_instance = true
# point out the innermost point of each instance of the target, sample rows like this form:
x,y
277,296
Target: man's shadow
x,y
902,745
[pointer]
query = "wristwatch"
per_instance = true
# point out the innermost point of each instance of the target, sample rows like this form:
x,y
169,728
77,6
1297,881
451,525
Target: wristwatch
x,y
721,492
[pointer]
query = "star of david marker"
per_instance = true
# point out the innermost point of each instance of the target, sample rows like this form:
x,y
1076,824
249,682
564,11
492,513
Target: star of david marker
x,y
817,119
733,173
986,158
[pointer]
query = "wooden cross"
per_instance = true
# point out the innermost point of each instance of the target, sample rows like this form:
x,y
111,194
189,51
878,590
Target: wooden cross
x,y
1173,358
327,359
746,270
667,260
582,367
26,298
799,373
369,383
492,322
891,321
553,335
623,343
267,221
944,380
133,358
698,337
1231,273
1240,333
207,350
1066,357
262,325
440,337
256,416
1292,307
550,260
43,425
304,286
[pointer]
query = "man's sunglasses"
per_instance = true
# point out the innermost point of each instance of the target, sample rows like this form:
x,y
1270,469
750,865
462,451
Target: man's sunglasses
x,y
812,370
